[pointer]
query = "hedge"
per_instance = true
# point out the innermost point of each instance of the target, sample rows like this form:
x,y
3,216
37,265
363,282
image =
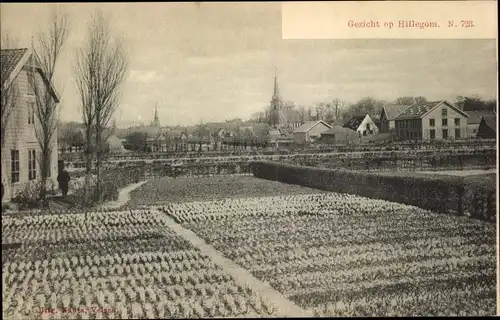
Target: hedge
x,y
438,193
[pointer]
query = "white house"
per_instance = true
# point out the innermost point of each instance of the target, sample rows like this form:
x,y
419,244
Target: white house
x,y
363,125
310,131
20,149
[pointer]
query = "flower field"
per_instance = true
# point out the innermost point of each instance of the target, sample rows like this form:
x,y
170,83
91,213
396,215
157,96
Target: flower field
x,y
113,265
166,190
342,255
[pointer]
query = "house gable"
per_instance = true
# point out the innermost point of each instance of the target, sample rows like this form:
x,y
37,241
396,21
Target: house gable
x,y
450,105
22,59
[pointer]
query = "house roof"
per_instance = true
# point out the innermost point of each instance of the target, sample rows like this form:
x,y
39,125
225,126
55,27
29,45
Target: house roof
x,y
491,121
417,111
392,110
476,116
336,122
354,122
10,59
12,62
309,125
337,130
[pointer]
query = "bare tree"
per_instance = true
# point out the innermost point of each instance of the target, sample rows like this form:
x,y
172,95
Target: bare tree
x,y
49,43
337,106
8,41
302,111
9,91
101,69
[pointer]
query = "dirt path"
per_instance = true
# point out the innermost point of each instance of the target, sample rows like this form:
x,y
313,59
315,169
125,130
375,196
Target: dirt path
x,y
123,196
285,307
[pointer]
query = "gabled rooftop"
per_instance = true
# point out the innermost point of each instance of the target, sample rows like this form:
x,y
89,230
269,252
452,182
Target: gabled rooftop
x,y
309,125
418,110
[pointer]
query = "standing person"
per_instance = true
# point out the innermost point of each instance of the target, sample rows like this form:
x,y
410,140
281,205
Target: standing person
x,y
63,179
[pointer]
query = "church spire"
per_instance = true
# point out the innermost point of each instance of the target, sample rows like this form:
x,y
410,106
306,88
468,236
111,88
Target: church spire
x,y
276,88
156,114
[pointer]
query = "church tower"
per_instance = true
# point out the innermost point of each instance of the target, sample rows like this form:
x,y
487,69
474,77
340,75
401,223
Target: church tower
x,y
276,104
156,121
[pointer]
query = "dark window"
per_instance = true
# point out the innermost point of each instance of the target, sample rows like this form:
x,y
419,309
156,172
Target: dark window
x,y
457,121
31,164
433,134
31,113
445,133
457,133
444,122
31,82
14,168
444,112
432,122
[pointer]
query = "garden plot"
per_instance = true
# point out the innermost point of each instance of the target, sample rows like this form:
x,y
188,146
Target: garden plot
x,y
342,255
166,190
114,265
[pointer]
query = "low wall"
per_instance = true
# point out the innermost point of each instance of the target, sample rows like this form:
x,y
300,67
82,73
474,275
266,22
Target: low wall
x,y
443,194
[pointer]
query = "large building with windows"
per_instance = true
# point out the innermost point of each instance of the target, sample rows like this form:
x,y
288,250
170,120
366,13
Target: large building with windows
x,y
437,120
20,148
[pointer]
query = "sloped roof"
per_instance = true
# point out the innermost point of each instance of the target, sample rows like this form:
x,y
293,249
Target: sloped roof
x,y
417,111
9,60
309,125
337,130
491,121
337,122
392,110
354,122
476,116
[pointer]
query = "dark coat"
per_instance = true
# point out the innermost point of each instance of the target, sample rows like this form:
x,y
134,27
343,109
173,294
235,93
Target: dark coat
x,y
63,179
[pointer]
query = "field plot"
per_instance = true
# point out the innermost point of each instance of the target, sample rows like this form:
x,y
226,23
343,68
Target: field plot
x,y
166,190
344,255
114,265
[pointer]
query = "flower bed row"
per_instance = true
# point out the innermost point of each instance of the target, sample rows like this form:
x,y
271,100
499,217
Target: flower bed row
x,y
444,194
79,266
344,255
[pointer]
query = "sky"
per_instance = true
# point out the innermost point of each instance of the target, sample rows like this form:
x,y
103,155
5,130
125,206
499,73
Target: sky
x,y
216,61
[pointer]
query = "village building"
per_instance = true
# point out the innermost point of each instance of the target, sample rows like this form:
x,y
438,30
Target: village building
x,y
363,125
431,120
20,149
487,128
473,120
340,135
387,116
310,131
